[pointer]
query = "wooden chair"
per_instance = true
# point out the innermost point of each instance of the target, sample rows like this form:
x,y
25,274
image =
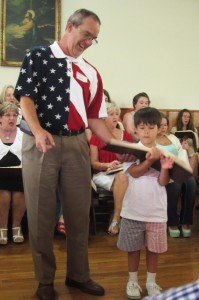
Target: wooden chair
x,y
102,205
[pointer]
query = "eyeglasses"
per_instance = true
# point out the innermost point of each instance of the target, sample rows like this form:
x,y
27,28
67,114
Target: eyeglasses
x,y
10,115
88,37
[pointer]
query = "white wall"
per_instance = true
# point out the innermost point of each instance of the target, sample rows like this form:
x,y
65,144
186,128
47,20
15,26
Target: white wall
x,y
144,45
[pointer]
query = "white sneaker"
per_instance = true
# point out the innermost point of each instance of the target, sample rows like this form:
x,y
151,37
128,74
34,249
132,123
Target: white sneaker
x,y
133,290
153,289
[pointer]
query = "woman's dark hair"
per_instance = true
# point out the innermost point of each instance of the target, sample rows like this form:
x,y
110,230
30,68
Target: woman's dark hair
x,y
106,93
148,115
163,116
179,124
138,96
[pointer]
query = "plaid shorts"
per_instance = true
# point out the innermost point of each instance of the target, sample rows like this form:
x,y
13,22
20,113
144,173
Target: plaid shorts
x,y
134,235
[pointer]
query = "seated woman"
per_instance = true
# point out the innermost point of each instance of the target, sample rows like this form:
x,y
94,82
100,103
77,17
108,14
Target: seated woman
x,y
140,101
184,122
102,160
187,190
11,189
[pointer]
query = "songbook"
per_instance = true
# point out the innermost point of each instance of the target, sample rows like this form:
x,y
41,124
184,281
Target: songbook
x,y
14,171
188,134
117,169
180,172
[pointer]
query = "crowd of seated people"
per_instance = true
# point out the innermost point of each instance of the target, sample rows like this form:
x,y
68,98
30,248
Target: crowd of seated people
x,y
11,188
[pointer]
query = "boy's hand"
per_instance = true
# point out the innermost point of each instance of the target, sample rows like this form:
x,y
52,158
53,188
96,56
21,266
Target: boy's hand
x,y
166,162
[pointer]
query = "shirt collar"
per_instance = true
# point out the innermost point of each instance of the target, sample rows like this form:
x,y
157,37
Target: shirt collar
x,y
58,53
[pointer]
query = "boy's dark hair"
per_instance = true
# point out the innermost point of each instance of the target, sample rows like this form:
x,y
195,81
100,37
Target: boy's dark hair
x,y
148,115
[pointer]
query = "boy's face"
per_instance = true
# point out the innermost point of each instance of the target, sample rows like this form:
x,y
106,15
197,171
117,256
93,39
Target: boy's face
x,y
147,134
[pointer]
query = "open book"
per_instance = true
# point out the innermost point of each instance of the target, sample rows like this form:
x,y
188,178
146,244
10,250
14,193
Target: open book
x,y
119,168
188,134
180,172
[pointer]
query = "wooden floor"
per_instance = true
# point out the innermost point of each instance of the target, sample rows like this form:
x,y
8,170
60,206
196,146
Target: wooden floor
x,y
108,265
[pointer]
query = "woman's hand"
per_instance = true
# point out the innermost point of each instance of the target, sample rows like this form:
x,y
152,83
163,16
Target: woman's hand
x,y
114,164
185,145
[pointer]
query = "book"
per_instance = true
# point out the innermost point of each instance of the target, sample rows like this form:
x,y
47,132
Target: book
x,y
119,168
188,134
15,171
180,172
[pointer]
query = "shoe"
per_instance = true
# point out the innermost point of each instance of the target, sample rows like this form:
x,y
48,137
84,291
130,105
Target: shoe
x,y
174,233
61,228
153,289
88,287
114,227
186,232
45,292
3,236
133,290
17,235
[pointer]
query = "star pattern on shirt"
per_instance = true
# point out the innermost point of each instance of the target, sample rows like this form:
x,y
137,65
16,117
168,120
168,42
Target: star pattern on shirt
x,y
58,116
43,79
60,80
59,98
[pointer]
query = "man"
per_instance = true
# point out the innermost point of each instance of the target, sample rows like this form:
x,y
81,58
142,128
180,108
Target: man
x,y
60,95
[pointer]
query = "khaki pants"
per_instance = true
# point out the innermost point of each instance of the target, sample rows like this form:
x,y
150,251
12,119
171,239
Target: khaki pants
x,y
64,169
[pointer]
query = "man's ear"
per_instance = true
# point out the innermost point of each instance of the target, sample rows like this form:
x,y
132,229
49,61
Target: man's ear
x,y
69,26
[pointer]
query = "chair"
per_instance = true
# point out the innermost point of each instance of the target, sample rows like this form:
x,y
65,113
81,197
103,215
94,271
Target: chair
x,y
102,205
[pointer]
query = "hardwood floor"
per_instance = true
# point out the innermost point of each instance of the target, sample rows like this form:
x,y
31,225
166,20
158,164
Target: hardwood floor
x,y
108,265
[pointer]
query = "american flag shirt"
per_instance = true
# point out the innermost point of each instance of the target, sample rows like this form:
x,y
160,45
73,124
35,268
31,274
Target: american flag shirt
x,y
66,91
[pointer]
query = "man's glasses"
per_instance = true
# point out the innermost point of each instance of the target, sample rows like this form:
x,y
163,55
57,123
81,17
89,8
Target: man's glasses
x,y
88,37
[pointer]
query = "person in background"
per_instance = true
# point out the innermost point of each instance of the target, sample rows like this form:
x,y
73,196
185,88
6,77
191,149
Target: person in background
x,y
107,99
185,122
7,94
144,209
58,108
140,101
11,188
102,160
107,96
187,190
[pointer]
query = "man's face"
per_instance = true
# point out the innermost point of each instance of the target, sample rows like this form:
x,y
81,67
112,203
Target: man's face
x,y
80,38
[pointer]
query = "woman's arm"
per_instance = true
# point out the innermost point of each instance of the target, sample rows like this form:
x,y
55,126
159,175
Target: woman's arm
x,y
100,166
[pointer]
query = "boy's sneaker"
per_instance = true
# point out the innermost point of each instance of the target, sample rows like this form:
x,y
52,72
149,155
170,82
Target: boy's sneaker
x,y
133,290
153,289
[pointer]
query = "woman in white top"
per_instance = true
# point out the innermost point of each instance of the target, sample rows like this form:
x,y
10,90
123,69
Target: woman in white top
x,y
11,188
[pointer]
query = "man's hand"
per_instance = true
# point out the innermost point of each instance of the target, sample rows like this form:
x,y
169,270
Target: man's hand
x,y
44,141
